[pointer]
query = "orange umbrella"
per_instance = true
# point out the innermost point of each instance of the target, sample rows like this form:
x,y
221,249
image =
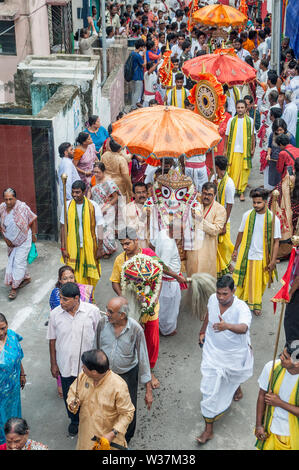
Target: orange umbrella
x,y
165,131
219,15
224,64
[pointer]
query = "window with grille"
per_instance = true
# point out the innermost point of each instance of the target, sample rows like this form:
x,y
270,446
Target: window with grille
x,y
60,28
7,38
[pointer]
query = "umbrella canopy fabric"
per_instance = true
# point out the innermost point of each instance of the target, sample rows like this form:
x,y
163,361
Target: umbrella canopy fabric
x,y
219,15
165,131
224,64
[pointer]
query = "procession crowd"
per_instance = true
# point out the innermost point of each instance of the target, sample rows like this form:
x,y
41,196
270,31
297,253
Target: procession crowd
x,y
109,200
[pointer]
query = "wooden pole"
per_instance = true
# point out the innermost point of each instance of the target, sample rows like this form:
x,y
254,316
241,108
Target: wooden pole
x,y
215,174
275,196
274,357
64,179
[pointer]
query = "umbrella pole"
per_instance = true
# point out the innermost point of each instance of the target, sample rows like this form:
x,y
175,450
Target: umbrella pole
x,y
215,174
163,166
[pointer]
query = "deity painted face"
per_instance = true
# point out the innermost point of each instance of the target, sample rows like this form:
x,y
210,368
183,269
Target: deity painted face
x,y
173,190
173,197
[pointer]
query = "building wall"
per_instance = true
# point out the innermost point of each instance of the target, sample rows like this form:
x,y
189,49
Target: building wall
x,y
16,163
32,37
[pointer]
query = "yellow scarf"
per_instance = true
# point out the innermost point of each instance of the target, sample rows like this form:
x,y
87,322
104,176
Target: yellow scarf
x,y
86,256
241,265
247,164
174,99
279,373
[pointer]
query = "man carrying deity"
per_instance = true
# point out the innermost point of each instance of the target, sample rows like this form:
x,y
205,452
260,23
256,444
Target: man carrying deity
x,y
129,241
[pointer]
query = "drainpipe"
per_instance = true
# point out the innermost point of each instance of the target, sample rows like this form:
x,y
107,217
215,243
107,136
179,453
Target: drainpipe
x,y
104,44
276,35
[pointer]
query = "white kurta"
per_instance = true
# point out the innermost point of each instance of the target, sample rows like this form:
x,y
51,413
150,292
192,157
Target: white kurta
x,y
170,296
227,359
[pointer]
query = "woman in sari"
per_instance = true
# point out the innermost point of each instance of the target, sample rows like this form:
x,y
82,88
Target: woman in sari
x,y
12,376
19,228
16,434
105,193
278,127
85,156
97,132
66,274
117,169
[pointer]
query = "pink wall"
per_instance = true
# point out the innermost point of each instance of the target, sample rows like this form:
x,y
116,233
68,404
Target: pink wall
x,y
32,37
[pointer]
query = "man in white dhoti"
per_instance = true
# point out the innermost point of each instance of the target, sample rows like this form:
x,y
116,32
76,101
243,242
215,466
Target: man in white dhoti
x,y
170,295
227,359
18,227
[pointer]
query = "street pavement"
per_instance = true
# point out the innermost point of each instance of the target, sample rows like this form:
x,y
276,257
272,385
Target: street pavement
x,y
175,419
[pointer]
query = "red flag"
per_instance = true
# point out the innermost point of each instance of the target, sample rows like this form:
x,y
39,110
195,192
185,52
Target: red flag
x,y
283,294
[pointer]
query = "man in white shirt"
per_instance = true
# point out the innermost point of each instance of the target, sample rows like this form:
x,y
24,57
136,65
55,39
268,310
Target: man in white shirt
x,y
66,166
241,53
254,268
278,434
176,50
262,47
290,113
150,83
71,330
294,86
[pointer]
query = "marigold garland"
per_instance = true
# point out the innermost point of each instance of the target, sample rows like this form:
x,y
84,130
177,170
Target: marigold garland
x,y
165,71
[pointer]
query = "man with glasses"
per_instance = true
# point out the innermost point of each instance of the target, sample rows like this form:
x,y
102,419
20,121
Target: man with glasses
x,y
214,218
123,341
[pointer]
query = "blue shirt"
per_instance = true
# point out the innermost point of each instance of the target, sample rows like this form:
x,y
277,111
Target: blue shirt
x,y
98,137
137,66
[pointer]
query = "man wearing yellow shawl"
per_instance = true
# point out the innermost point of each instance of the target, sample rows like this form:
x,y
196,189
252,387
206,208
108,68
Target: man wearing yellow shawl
x,y
254,266
280,430
84,236
239,147
226,194
176,97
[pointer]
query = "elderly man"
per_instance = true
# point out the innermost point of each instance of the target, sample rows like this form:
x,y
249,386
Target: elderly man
x,y
106,409
214,218
71,324
227,359
280,432
290,112
123,341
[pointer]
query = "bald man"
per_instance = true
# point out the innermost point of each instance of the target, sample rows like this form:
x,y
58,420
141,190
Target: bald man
x,y
123,341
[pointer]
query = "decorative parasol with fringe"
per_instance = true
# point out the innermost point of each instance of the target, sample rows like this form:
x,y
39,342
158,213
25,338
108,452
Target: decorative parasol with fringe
x,y
219,15
224,64
165,131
